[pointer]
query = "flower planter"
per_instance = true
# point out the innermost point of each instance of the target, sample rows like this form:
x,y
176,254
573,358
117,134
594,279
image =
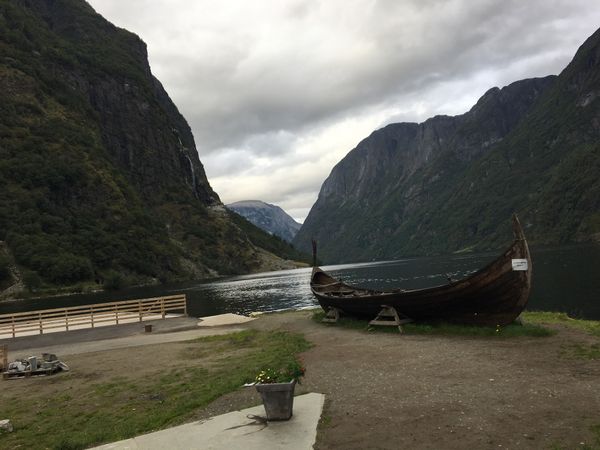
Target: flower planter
x,y
278,399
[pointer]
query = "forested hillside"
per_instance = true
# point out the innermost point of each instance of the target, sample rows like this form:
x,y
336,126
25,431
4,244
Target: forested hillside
x,y
99,174
451,183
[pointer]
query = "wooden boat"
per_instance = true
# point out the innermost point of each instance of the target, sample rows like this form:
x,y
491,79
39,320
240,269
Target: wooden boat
x,y
494,295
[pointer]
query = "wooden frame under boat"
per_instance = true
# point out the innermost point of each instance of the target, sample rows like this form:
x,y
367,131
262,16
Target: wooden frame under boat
x,y
494,295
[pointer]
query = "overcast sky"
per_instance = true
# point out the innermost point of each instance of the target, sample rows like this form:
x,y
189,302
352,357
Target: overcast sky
x,y
277,92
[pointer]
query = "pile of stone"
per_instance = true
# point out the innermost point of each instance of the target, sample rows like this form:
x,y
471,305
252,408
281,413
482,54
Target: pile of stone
x,y
47,364
6,426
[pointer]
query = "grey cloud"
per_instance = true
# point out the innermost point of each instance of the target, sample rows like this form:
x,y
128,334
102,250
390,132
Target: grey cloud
x,y
254,78
280,99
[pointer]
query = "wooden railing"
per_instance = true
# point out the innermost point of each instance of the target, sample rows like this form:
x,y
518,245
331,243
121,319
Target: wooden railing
x,y
90,316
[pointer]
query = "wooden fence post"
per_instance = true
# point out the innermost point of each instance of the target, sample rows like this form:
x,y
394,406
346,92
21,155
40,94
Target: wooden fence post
x,y
3,357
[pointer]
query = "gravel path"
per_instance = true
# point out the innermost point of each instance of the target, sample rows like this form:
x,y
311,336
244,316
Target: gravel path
x,y
391,391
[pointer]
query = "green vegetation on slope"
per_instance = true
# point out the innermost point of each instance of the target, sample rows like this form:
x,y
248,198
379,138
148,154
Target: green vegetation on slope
x,y
95,160
271,243
65,212
545,168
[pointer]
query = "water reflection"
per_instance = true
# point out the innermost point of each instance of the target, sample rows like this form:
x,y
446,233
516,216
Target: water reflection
x,y
258,292
567,279
564,279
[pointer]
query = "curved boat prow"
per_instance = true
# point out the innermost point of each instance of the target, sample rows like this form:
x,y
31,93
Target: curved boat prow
x,y
525,255
517,228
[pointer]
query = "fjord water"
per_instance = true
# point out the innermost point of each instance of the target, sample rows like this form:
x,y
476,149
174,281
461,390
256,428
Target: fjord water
x,y
564,279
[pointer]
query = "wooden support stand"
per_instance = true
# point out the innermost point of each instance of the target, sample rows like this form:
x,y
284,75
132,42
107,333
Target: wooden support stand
x,y
388,316
519,320
332,316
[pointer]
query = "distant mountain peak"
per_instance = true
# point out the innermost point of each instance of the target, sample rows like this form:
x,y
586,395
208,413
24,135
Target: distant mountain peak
x,y
268,217
252,204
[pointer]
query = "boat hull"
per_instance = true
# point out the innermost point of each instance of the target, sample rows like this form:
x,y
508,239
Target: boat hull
x,y
494,295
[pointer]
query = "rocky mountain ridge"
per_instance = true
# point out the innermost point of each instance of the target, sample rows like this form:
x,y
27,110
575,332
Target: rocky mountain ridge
x,y
268,217
451,183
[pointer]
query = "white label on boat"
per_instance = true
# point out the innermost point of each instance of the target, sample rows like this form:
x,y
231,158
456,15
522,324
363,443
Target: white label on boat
x,y
519,264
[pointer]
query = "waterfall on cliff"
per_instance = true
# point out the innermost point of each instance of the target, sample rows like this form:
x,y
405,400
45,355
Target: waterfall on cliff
x,y
194,188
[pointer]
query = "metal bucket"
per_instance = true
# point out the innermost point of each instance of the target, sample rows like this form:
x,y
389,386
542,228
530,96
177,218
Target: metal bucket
x,y
278,399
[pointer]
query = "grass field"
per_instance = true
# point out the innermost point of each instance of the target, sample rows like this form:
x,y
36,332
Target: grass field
x,y
73,412
512,330
544,317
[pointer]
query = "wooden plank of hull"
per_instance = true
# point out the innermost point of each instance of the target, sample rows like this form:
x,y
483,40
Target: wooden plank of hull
x,y
494,295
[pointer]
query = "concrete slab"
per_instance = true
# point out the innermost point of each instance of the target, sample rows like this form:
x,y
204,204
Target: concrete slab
x,y
235,431
223,319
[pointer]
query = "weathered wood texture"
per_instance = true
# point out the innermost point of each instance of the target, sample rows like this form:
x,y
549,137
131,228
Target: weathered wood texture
x,y
90,316
494,295
332,316
3,357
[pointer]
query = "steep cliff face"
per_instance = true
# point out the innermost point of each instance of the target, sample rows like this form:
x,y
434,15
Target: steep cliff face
x,y
270,218
451,183
389,157
393,173
99,172
140,127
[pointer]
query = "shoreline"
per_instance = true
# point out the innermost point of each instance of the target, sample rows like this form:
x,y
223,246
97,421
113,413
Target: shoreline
x,y
156,283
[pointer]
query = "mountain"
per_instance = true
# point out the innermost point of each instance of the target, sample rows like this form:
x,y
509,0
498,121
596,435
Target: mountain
x,y
451,183
99,173
270,218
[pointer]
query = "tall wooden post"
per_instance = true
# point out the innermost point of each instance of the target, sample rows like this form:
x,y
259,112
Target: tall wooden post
x,y
3,357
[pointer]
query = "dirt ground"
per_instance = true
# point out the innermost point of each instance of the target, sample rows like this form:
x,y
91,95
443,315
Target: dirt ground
x,y
391,391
